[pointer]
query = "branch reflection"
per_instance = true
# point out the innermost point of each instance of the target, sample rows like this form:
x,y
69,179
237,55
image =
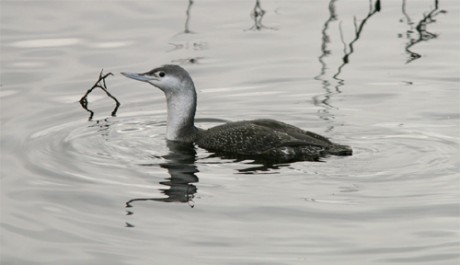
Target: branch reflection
x,y
421,28
103,127
188,15
257,14
331,82
373,9
188,45
181,168
323,100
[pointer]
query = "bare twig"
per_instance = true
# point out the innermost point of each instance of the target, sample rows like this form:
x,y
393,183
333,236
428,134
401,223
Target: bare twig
x,y
100,83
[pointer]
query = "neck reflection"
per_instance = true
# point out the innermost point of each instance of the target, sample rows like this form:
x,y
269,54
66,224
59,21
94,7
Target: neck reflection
x,y
181,168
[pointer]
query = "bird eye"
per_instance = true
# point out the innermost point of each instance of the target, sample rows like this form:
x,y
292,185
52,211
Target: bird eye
x,y
161,74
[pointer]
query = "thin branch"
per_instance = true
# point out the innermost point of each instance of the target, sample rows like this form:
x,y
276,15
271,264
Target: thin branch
x,y
100,83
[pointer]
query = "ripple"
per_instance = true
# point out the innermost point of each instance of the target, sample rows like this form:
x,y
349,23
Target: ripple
x,y
46,43
113,149
7,93
74,149
388,154
112,44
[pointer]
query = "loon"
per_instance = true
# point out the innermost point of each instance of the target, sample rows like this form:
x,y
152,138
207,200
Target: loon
x,y
261,139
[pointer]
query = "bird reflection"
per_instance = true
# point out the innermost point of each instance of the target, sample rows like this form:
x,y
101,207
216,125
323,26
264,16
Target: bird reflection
x,y
258,167
181,168
331,82
421,28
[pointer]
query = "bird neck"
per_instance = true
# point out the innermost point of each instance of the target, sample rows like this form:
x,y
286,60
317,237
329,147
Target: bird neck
x,y
181,115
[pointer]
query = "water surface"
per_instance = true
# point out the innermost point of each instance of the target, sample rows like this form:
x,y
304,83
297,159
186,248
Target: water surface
x,y
382,77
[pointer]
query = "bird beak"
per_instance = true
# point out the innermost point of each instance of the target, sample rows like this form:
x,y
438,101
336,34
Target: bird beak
x,y
139,77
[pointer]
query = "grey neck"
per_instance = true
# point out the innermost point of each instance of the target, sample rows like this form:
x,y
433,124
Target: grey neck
x,y
181,115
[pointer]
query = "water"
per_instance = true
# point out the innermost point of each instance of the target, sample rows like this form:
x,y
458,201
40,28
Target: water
x,y
380,77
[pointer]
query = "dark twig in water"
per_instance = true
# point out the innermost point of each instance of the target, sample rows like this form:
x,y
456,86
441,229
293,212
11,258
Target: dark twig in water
x,y
100,83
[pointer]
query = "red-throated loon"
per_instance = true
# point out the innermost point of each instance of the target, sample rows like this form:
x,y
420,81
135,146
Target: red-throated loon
x,y
260,139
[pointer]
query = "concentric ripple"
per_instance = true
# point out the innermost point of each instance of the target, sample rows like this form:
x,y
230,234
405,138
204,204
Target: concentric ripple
x,y
381,153
78,148
392,153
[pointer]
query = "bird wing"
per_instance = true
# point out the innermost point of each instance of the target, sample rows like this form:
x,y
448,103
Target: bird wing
x,y
295,132
243,138
256,137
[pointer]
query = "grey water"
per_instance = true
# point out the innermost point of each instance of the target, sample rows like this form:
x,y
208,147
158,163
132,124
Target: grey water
x,y
380,76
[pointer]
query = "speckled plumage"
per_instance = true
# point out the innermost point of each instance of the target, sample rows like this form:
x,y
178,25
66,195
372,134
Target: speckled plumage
x,y
259,139
267,139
